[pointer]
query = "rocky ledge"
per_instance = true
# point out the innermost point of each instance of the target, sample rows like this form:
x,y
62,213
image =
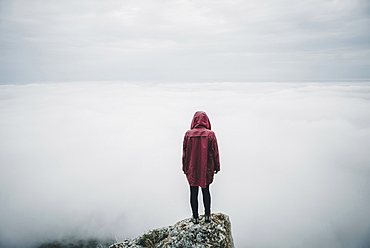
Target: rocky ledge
x,y
185,233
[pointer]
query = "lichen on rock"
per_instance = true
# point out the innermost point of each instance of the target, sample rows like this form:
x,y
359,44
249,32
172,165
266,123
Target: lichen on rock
x,y
185,233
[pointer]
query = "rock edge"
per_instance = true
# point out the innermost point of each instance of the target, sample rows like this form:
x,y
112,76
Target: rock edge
x,y
186,234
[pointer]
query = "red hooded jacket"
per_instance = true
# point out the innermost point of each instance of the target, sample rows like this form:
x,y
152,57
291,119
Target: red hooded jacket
x,y
200,158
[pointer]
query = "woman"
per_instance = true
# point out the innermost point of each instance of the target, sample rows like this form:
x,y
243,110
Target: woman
x,y
200,161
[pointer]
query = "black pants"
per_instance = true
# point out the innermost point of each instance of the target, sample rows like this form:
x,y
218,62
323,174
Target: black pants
x,y
194,200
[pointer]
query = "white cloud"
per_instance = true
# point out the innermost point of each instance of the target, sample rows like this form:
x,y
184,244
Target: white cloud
x,y
105,159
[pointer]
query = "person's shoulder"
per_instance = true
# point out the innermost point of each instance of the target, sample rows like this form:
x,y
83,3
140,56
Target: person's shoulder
x,y
188,132
211,133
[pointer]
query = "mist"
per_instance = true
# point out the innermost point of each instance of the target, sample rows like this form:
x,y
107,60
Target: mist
x,y
103,159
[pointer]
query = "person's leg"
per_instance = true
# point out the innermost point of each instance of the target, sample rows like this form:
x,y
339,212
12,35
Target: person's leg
x,y
206,200
194,200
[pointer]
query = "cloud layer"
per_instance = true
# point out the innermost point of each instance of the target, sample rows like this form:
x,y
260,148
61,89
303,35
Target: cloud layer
x,y
184,40
104,159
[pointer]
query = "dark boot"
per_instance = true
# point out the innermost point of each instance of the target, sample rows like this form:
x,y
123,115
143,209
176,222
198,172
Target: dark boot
x,y
207,218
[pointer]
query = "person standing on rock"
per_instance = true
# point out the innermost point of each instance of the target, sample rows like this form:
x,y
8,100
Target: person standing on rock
x,y
200,161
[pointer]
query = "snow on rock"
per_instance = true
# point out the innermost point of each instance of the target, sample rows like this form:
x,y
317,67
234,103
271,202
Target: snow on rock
x,y
186,234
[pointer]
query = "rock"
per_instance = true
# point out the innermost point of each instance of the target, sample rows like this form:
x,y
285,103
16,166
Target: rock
x,y
186,234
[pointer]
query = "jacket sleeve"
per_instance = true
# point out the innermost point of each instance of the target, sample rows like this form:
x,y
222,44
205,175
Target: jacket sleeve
x,y
216,155
184,155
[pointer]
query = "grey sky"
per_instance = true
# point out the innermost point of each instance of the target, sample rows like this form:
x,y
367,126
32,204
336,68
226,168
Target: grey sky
x,y
202,41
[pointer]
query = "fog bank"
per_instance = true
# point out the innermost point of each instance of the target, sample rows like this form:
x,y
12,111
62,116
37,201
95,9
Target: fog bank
x,y
103,159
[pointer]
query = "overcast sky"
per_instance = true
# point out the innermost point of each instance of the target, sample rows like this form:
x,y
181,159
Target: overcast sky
x,y
104,159
202,41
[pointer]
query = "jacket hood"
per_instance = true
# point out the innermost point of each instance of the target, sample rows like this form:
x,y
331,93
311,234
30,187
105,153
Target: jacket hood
x,y
200,119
